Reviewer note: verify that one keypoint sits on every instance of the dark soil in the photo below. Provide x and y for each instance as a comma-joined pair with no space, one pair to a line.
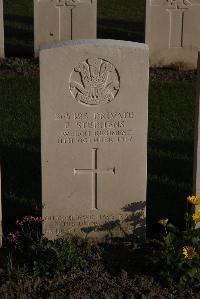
172,74
90,284
113,271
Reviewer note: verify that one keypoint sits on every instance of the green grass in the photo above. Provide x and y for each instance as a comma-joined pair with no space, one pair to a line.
116,20
170,155
20,146
18,18
171,114
130,10
121,19
170,150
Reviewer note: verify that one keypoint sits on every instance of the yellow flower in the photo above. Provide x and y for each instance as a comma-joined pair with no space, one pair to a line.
194,200
196,217
163,221
189,252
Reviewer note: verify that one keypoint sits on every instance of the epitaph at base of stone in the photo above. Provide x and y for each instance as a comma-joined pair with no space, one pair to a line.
94,109
173,32
60,20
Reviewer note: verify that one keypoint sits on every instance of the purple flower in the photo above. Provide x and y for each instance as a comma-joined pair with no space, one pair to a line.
38,219
28,219
13,237
19,223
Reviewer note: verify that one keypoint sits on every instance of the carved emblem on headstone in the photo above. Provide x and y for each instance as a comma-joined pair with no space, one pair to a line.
67,2
94,82
178,4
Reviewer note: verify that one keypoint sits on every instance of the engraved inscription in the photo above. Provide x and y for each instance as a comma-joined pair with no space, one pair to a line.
60,225
97,127
94,82
94,171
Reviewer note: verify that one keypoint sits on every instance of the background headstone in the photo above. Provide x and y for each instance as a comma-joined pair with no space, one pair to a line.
94,107
173,31
2,54
59,20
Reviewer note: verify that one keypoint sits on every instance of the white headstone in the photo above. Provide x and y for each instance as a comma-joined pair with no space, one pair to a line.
2,54
94,108
59,20
173,31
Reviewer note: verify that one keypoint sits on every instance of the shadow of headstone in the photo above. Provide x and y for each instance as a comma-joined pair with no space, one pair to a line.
132,226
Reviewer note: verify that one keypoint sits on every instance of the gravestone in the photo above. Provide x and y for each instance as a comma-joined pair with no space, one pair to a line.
196,174
59,20
94,106
2,55
173,31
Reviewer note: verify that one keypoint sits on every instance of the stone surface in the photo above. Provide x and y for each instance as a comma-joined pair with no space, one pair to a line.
173,31
94,107
2,55
59,20
196,174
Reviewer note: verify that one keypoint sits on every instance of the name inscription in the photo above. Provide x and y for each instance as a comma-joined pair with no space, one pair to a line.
98,127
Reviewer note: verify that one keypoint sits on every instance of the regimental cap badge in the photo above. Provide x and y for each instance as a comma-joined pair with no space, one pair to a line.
94,82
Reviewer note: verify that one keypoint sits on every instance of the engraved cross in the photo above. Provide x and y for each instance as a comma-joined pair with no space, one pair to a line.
61,5
94,171
176,10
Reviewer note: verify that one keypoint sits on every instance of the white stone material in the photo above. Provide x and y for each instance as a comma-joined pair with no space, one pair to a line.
59,20
173,32
94,110
2,53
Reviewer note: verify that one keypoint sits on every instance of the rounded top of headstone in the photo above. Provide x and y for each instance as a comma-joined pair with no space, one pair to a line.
95,42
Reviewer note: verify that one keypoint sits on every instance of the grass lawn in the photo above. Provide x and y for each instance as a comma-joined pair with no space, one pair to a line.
34,267
116,20
170,150
171,114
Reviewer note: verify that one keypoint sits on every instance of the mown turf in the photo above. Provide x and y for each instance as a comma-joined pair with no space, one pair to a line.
18,19
121,19
116,20
170,149
20,147
171,114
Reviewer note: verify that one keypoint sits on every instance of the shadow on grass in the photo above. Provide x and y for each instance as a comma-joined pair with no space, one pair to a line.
26,20
169,183
170,175
19,36
117,250
122,30
21,182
